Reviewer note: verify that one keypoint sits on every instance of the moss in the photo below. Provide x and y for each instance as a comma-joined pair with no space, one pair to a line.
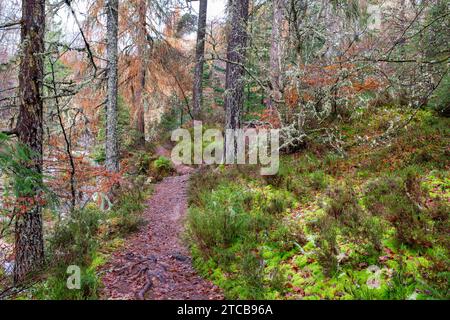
299,218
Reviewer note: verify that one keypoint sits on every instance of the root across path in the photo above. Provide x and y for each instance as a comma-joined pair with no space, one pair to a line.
155,264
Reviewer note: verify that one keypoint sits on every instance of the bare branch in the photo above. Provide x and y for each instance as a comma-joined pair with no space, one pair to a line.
10,24
86,43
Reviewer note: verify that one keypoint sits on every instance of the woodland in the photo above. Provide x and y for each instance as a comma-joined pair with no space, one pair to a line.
92,206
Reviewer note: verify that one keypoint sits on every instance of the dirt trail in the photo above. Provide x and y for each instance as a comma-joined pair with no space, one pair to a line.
155,264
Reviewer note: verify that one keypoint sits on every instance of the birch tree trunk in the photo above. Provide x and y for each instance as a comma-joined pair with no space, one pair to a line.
112,150
234,82
199,59
143,58
29,243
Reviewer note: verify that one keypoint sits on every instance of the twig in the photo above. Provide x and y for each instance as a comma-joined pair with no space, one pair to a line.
10,24
86,43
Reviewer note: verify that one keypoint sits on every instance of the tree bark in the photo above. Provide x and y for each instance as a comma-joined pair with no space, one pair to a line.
112,149
234,81
199,60
29,243
275,53
143,59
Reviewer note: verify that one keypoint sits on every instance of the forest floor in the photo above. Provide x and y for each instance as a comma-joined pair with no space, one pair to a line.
368,223
155,263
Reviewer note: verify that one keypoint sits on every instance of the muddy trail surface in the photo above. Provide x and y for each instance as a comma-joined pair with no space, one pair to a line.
155,263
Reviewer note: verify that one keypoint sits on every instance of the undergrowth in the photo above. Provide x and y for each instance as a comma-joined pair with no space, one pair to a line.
372,224
84,240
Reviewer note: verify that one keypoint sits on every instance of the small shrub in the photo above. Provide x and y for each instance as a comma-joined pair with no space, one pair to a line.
317,180
343,206
440,101
409,223
284,176
327,243
162,163
142,162
252,275
299,176
163,167
276,202
222,220
126,213
297,187
436,277
278,280
204,179
377,191
73,242
345,217
229,224
397,199
288,235
74,239
55,287
439,213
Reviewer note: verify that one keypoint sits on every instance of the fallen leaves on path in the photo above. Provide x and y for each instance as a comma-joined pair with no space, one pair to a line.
155,264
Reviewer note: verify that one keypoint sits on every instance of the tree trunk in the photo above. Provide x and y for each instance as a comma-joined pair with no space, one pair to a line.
234,82
143,58
29,243
275,53
112,149
199,59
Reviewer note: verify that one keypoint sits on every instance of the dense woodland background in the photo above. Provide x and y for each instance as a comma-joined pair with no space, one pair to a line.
91,90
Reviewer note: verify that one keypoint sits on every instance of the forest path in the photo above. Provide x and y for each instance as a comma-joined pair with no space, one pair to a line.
155,264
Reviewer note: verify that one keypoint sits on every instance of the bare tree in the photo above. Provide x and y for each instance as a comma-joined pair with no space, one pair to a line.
29,242
112,148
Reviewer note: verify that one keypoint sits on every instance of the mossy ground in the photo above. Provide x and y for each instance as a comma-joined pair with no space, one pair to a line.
268,237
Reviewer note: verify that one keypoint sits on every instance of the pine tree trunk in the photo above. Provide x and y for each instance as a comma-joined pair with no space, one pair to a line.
29,243
275,52
234,82
143,58
112,149
199,59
